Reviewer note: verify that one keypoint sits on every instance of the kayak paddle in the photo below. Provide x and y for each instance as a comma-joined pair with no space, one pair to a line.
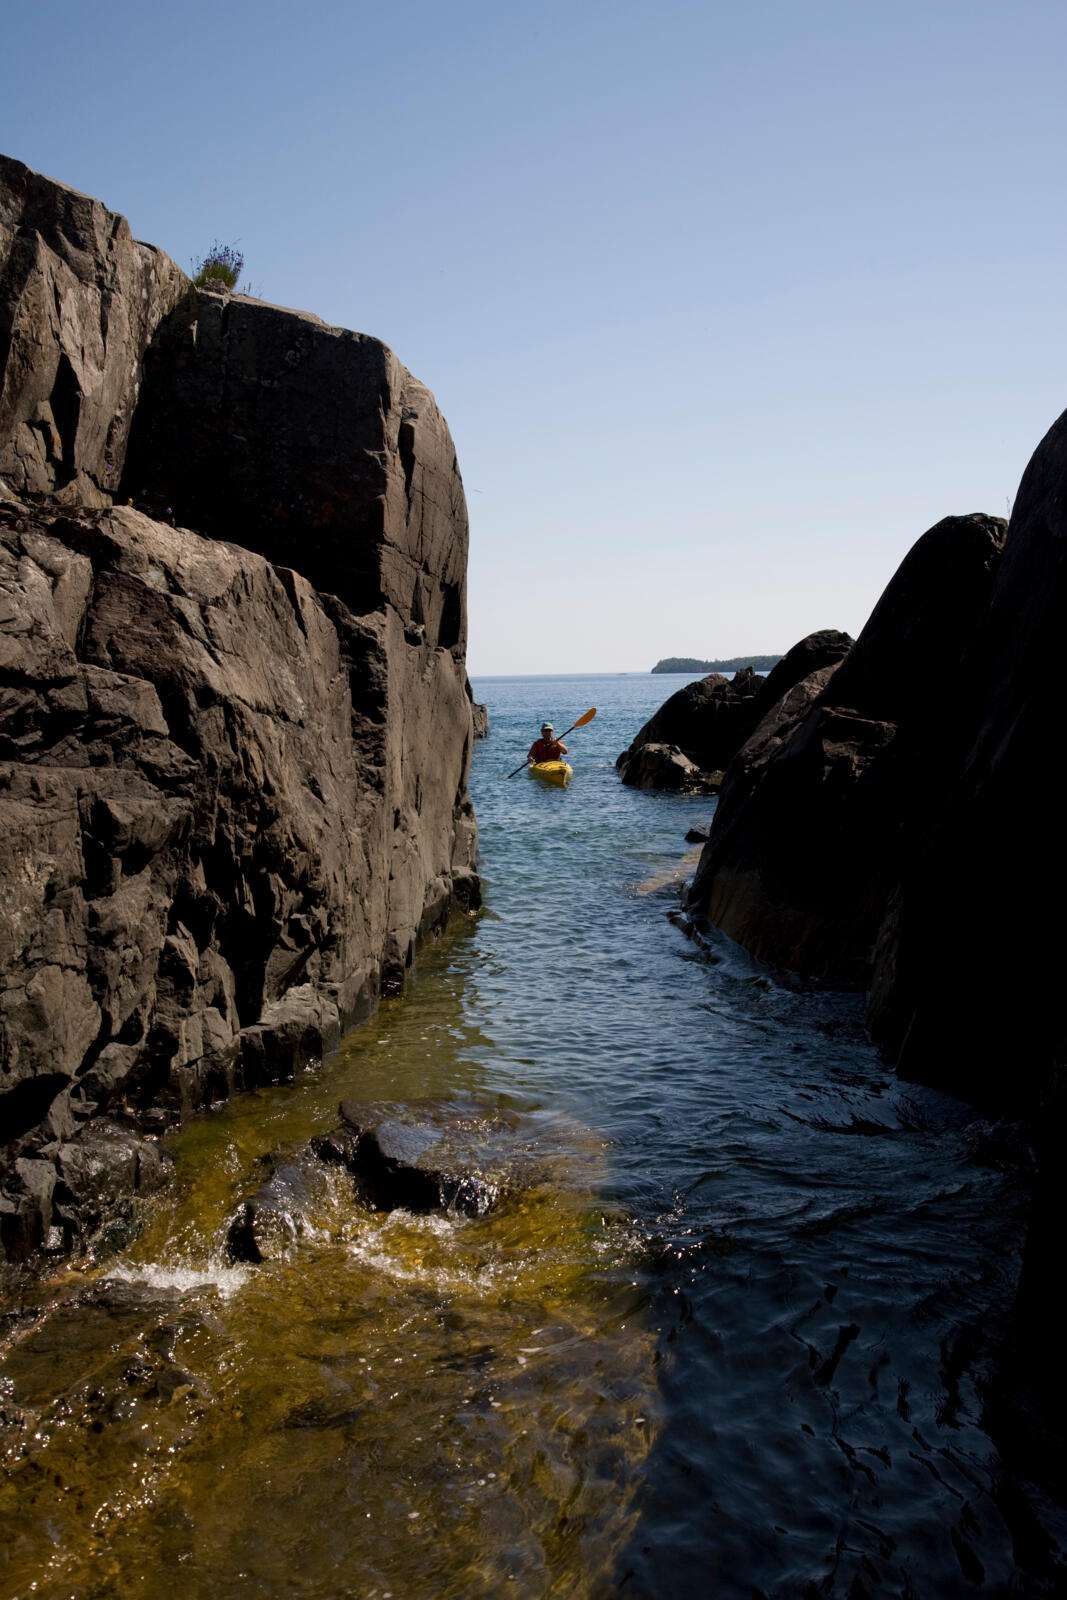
586,716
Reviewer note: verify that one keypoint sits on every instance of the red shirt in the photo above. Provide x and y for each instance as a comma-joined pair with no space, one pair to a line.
546,750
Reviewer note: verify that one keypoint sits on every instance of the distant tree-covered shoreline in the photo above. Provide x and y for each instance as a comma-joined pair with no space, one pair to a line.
731,664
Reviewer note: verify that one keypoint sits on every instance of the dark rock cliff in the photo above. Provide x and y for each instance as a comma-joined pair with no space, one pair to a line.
807,840
967,982
232,768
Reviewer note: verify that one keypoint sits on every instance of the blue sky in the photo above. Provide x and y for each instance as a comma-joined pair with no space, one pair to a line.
724,304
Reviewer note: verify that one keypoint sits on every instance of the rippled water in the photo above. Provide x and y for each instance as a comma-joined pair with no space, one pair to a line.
735,1339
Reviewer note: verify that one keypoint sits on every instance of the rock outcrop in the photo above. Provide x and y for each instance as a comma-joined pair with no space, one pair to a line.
691,739
664,766
806,842
80,300
313,446
967,981
231,803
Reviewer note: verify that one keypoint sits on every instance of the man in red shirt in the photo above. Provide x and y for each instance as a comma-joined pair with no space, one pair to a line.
548,747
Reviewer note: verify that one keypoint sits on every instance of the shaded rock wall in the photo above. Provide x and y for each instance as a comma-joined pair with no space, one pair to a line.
808,837
312,445
967,980
231,802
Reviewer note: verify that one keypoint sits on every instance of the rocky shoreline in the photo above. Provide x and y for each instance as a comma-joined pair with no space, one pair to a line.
889,824
235,725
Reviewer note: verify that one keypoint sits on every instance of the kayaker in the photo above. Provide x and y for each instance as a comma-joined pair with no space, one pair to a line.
548,747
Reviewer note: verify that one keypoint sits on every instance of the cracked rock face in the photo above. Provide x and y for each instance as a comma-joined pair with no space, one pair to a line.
80,300
231,802
312,445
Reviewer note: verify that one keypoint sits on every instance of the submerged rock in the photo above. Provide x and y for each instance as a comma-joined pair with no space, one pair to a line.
269,1223
423,1159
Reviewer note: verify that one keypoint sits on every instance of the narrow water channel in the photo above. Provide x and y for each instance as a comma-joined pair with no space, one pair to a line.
734,1337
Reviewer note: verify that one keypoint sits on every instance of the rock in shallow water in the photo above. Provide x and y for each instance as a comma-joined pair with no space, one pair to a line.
416,1165
664,766
266,1226
422,1160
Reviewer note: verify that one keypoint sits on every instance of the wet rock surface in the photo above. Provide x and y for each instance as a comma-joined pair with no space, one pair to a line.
695,734
421,1158
267,1225
418,1163
231,804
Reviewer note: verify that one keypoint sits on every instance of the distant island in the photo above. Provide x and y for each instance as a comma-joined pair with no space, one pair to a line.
733,664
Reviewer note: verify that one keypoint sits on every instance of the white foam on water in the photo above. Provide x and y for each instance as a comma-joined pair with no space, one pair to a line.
370,1248
225,1280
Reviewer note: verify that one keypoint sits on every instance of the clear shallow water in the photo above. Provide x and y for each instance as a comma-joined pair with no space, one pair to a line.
735,1340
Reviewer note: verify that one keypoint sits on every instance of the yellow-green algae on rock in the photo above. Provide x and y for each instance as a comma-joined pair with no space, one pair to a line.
406,1405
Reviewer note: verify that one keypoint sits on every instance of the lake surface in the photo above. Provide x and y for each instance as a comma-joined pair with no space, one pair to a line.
734,1339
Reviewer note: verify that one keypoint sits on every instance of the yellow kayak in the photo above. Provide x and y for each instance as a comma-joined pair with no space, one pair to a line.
557,772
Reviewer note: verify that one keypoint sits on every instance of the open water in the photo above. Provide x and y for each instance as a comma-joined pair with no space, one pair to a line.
737,1339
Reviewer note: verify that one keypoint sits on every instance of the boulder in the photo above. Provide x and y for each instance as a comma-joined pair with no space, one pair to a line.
480,714
664,766
824,648
231,803
806,840
414,1161
707,722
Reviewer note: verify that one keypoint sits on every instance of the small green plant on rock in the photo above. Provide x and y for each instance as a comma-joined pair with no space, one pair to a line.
220,269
